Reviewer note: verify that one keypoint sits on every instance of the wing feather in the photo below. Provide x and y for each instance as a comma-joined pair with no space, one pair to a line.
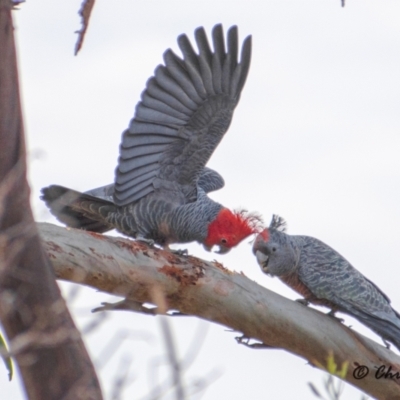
184,111
158,105
145,138
133,194
193,88
139,179
146,114
165,80
192,64
131,164
210,180
205,60
143,150
230,59
242,69
138,127
159,93
135,190
135,173
218,41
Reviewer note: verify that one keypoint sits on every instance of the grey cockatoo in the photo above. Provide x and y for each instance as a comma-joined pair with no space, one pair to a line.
323,277
161,182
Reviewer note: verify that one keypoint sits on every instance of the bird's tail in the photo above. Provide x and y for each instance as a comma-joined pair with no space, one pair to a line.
389,330
78,210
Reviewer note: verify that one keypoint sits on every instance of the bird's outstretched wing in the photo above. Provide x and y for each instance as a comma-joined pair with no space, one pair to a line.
184,111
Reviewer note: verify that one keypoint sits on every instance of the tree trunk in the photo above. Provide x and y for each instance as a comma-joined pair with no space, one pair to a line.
45,344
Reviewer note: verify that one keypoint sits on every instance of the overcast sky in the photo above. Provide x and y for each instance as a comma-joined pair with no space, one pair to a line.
315,139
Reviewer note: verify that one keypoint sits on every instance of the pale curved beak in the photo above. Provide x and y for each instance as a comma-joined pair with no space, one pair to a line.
223,249
262,260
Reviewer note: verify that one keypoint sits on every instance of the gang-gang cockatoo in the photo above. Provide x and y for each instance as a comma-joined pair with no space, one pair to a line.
161,181
323,277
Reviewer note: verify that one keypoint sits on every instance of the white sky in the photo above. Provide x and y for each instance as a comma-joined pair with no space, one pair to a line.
315,138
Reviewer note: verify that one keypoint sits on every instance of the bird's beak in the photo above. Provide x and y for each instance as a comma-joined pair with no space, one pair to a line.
262,260
223,249
207,248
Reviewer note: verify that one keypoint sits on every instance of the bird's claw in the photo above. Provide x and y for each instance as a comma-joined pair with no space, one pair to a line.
304,302
127,305
136,306
142,239
177,314
245,341
180,252
332,315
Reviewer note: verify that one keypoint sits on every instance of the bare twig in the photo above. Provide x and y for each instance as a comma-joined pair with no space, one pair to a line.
121,381
175,365
84,12
116,341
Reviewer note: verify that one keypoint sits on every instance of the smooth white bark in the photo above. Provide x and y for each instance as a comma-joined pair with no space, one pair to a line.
209,291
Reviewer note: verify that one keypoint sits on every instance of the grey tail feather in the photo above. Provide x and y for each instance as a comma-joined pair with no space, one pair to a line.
389,331
64,205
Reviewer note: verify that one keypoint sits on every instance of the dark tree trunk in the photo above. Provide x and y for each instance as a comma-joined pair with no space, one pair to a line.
47,347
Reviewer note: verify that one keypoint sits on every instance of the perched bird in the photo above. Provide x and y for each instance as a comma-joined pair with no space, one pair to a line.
161,181
323,277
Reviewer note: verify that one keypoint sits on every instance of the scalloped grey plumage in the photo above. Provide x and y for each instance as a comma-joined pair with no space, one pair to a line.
324,277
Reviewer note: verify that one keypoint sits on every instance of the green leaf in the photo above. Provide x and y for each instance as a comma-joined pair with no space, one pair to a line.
6,359
331,365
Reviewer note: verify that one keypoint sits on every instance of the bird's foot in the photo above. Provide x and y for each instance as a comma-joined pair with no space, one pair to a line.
178,252
127,305
332,315
135,306
245,341
177,314
304,302
142,239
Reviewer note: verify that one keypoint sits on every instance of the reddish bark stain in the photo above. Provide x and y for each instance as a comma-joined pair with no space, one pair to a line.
222,268
104,256
172,258
133,246
54,247
96,235
223,288
185,278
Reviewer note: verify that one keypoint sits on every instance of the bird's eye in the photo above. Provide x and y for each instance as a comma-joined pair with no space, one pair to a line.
224,241
274,249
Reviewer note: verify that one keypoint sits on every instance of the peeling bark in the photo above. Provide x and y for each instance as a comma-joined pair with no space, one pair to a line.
210,291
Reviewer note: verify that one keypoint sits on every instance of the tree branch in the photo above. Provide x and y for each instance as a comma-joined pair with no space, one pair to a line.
209,291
